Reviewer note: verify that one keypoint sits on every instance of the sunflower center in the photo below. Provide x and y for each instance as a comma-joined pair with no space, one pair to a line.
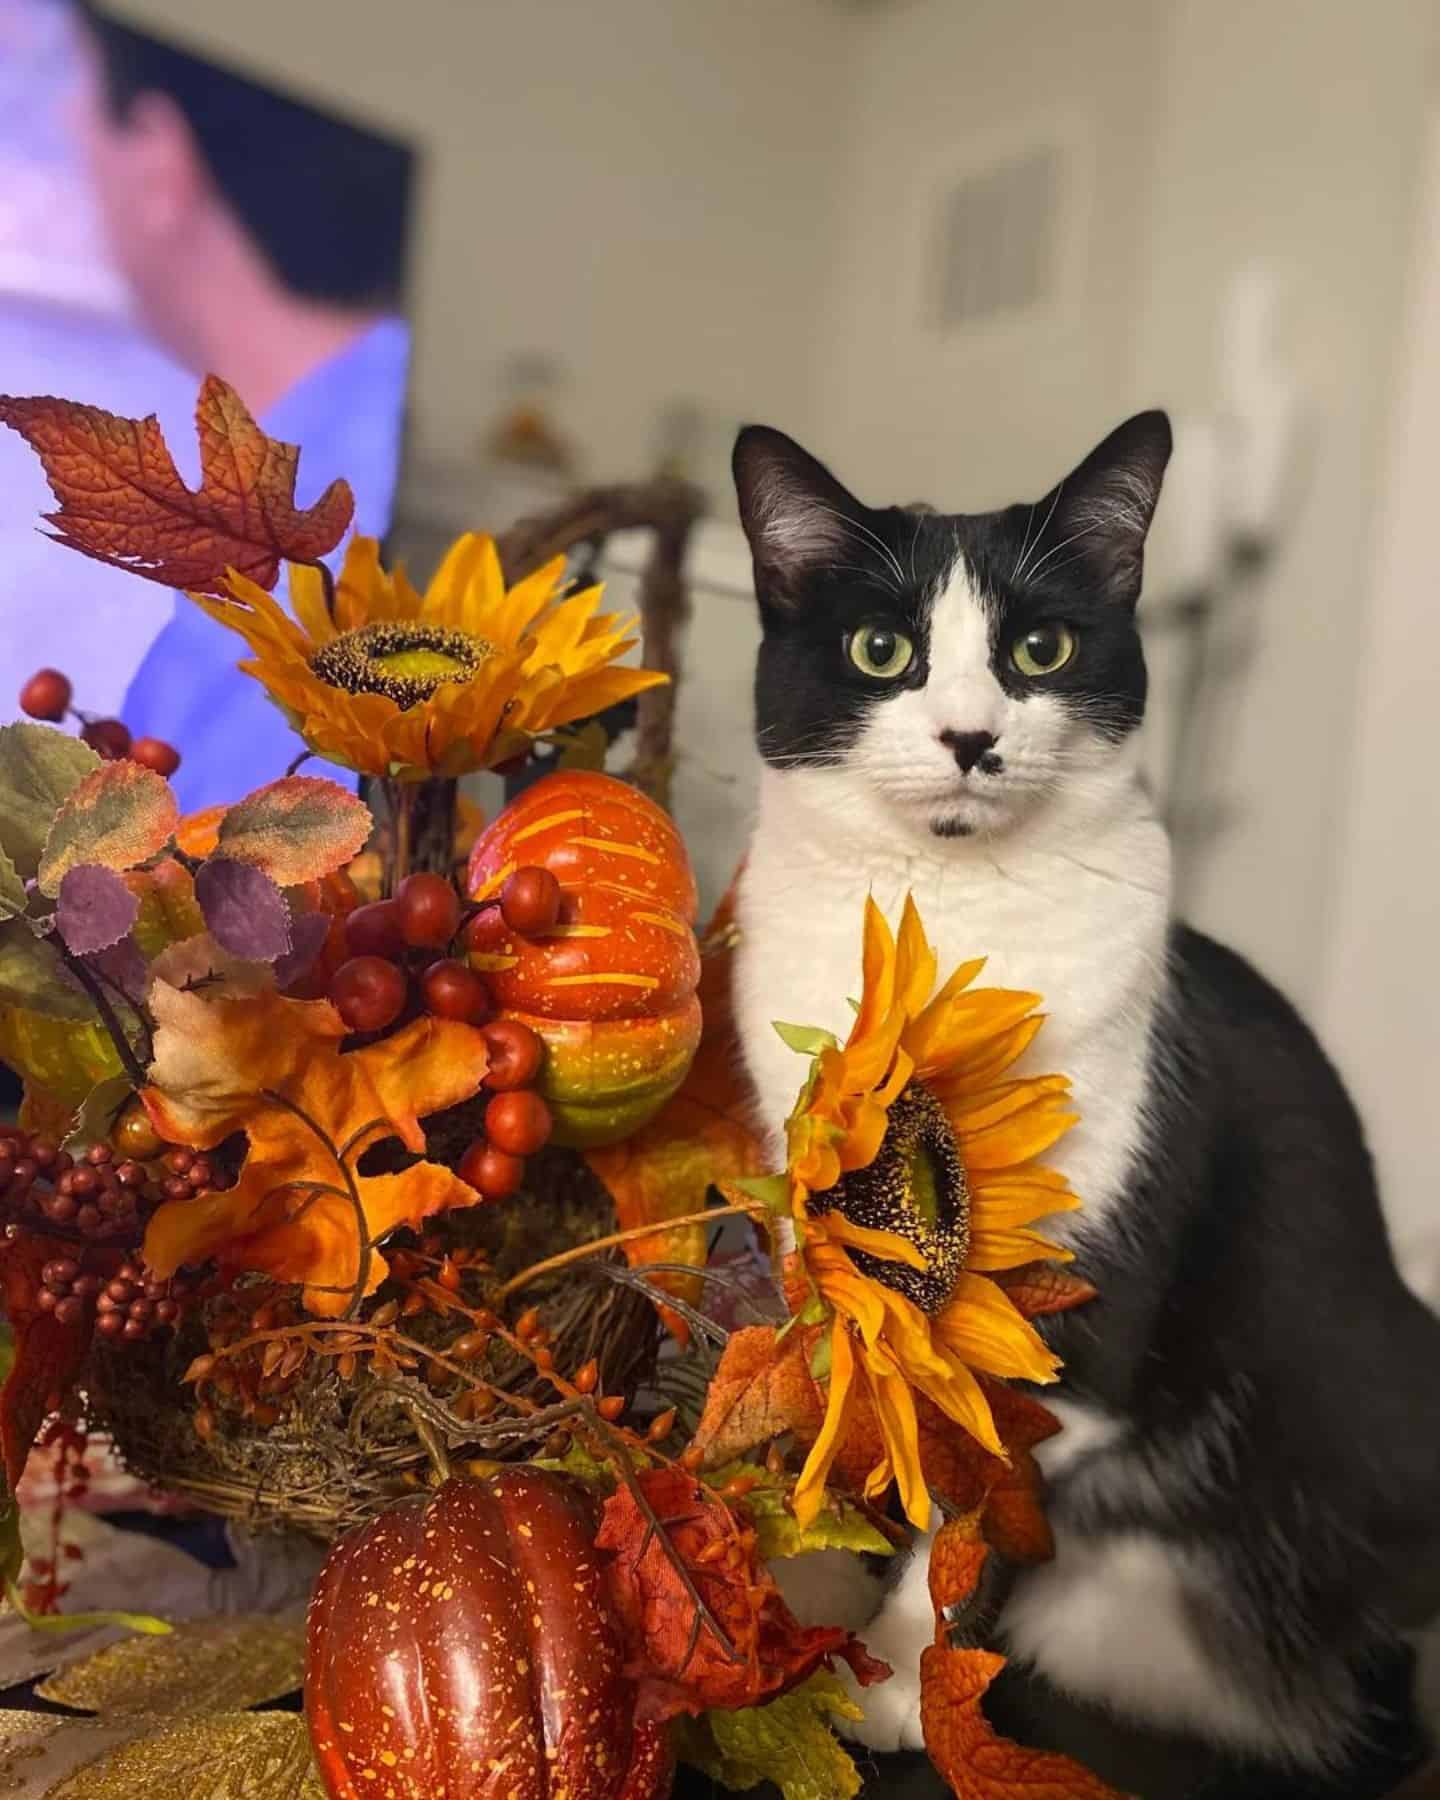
402,658
915,1188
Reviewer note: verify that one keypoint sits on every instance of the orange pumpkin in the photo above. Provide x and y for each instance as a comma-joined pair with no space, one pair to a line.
611,988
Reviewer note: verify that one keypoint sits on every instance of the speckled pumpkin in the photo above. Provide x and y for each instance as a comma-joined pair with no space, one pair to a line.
611,988
461,1645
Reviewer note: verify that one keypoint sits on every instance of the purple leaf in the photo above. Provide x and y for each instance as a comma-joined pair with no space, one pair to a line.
94,910
244,910
309,933
123,966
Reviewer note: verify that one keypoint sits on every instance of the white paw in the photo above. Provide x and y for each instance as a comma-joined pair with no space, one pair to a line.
898,1635
892,1712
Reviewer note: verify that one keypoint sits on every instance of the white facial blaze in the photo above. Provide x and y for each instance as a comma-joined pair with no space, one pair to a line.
962,693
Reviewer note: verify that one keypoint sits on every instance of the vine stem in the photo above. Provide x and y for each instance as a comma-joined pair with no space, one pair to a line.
578,1252
124,1049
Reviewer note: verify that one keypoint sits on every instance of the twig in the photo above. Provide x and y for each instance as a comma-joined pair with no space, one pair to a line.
366,1243
578,1252
123,1047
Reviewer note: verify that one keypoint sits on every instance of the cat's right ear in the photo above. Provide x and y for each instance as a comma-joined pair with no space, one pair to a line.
797,516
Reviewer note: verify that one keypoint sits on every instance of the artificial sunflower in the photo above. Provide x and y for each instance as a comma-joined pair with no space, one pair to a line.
914,1176
407,685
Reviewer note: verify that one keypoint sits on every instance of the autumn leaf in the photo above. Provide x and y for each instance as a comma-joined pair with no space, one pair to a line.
39,768
122,500
789,1742
976,1763
296,829
1015,1521
169,911
47,1355
121,814
702,1137
199,832
1041,1288
761,1389
839,1525
957,1557
272,1067
679,1660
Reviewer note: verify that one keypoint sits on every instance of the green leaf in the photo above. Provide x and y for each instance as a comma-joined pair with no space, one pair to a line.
772,1191
296,829
85,1621
31,975
839,1525
39,769
789,1741
121,814
820,1359
96,1117
12,888
809,1040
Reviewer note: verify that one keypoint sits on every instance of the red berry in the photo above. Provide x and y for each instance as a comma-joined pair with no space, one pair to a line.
487,929
530,901
108,737
491,1172
519,1122
374,930
156,754
368,993
88,1218
452,990
110,1324
46,695
516,1053
46,1300
429,910
70,1311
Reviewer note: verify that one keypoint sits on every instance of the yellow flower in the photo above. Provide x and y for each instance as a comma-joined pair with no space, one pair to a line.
914,1176
409,685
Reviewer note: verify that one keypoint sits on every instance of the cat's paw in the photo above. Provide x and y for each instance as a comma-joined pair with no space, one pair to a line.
892,1714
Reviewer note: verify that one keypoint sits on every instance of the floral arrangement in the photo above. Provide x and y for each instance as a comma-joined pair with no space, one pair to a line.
371,1190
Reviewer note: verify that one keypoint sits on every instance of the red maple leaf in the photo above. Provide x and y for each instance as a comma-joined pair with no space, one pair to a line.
122,500
679,1658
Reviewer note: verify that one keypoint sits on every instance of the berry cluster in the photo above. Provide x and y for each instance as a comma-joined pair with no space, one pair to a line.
48,694
390,944
100,1204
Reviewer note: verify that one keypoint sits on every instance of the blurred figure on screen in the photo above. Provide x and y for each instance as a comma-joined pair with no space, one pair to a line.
263,241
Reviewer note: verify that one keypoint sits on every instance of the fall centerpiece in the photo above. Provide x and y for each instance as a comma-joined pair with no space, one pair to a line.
369,1187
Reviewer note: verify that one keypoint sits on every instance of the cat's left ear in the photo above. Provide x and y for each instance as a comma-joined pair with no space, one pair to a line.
1100,514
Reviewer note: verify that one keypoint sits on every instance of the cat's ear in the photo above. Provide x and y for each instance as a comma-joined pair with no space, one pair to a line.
1100,514
797,516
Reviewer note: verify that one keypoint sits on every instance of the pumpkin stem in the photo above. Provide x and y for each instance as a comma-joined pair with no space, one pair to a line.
434,1448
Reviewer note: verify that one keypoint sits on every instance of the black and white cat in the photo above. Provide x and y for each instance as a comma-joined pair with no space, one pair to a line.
1246,1494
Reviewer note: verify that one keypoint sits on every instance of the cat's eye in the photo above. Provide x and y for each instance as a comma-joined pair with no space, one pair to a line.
1043,650
880,652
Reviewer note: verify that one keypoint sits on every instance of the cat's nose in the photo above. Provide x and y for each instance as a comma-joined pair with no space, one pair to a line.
972,747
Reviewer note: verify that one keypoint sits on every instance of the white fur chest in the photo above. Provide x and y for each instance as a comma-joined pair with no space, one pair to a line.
1073,906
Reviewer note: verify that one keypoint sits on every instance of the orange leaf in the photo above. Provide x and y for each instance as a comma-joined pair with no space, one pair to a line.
122,500
1015,1522
199,832
957,1556
169,911
1041,1288
681,1662
760,1390
702,1136
301,1211
48,1355
976,1763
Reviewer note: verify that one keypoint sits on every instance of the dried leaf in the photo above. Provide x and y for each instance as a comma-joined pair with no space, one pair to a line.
704,1135
308,935
1040,1288
96,1118
32,976
199,832
168,909
762,1388
681,1662
39,768
95,909
297,829
1015,1521
976,1763
195,1671
788,1742
122,500
957,1557
121,814
233,1756
12,888
244,910
271,1067
121,966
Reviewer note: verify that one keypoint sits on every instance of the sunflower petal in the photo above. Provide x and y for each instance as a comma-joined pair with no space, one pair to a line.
983,1328
810,1487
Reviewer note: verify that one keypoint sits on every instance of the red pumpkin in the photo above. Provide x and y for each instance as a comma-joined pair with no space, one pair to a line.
461,1644
611,987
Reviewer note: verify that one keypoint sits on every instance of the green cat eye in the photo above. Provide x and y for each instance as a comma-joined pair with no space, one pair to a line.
880,651
1043,650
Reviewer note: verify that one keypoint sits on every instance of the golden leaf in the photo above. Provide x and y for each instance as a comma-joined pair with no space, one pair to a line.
196,1671
272,1068
233,1756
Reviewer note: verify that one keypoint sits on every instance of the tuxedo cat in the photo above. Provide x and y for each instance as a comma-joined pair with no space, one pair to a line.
1246,1494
